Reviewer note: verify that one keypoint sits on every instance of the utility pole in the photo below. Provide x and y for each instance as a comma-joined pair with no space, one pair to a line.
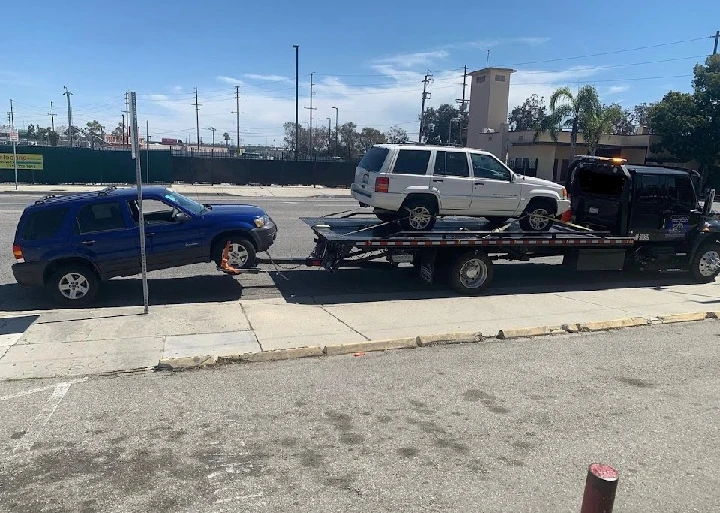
133,122
52,116
297,99
337,117
237,114
717,39
123,130
463,103
68,93
425,95
197,119
311,109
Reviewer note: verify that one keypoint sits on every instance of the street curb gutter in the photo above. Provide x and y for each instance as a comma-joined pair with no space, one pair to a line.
197,362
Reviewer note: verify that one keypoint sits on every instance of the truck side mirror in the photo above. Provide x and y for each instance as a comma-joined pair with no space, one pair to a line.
709,199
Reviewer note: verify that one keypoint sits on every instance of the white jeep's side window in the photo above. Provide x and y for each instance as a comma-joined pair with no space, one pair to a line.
485,166
412,162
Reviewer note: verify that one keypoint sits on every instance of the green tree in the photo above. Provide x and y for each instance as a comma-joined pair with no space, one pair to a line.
568,110
396,135
118,131
437,129
624,124
53,137
688,124
349,139
368,137
641,114
595,124
41,134
30,133
226,136
95,132
528,116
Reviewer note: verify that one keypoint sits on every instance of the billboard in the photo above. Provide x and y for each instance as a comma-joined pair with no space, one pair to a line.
24,161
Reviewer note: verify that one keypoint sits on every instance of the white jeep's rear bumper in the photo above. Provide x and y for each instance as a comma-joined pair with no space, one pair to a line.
563,206
382,200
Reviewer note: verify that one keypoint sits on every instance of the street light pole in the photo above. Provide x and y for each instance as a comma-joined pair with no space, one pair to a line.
337,117
297,99
213,130
329,134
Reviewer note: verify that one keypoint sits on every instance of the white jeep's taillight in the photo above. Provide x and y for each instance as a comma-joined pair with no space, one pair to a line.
17,253
382,184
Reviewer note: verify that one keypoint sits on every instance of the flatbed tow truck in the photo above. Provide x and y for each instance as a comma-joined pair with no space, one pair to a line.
656,228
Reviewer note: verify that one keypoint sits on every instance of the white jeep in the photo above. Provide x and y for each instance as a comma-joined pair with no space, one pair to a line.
413,184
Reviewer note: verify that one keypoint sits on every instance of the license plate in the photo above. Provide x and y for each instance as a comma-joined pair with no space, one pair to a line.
594,210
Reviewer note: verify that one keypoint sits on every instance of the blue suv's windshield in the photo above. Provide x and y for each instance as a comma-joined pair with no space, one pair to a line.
185,203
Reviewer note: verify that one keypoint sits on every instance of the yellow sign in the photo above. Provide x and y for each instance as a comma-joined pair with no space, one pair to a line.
24,161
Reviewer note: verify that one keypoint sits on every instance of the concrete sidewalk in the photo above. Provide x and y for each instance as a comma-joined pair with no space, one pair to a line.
246,191
38,344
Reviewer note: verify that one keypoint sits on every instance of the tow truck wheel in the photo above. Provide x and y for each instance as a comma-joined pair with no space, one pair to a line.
471,272
705,264
537,216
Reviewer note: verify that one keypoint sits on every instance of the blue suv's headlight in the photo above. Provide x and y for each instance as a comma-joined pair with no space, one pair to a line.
263,221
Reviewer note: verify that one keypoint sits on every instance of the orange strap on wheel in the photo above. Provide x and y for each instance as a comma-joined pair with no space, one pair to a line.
224,266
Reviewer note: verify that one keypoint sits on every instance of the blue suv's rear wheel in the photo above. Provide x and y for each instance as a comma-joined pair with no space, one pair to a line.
73,285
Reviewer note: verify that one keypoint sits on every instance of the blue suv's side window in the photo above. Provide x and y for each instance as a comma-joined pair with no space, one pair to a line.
99,217
43,224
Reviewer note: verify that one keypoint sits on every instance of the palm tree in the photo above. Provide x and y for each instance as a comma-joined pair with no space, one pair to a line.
570,110
226,136
596,124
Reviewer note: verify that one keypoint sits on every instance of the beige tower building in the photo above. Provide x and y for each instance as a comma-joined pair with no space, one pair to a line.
487,124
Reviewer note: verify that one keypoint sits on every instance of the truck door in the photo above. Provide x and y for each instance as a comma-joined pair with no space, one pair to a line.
681,201
649,203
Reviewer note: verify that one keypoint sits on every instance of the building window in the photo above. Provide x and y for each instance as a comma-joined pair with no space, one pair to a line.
480,79
499,78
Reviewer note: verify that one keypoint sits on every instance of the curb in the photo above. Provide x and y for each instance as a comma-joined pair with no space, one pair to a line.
450,338
198,362
371,345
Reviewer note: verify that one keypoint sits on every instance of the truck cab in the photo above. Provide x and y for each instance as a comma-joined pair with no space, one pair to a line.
658,206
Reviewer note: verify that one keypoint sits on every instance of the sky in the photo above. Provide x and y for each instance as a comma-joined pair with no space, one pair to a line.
369,58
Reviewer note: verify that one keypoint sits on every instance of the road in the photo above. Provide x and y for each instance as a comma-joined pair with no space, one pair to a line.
489,427
202,283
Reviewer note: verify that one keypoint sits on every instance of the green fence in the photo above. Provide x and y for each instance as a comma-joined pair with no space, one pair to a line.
83,165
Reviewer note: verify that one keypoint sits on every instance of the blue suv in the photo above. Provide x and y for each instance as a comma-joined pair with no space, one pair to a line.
70,244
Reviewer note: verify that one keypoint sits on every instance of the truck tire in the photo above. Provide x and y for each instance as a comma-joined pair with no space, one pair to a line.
705,263
471,273
242,252
73,285
535,217
418,214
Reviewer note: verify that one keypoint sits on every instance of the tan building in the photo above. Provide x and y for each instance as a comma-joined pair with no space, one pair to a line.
542,156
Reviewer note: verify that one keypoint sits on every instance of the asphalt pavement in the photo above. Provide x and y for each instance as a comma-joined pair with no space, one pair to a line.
497,427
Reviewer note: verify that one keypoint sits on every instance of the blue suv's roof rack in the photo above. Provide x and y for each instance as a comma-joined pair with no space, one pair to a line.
107,190
45,198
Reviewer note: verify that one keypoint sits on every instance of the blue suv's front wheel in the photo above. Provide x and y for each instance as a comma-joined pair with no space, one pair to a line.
73,285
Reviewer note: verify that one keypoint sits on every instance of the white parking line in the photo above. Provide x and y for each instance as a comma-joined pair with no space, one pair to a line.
40,389
41,419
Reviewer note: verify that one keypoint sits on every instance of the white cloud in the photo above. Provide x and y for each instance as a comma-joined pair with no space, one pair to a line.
267,78
381,102
229,80
177,89
491,43
408,60
616,89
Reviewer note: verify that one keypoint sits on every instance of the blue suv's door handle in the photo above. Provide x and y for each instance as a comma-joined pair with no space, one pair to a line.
88,242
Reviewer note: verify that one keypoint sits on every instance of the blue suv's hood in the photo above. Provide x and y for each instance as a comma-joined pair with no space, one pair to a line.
235,210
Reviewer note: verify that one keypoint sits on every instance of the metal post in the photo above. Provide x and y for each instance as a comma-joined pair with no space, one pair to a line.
237,119
15,162
138,180
600,486
147,151
14,143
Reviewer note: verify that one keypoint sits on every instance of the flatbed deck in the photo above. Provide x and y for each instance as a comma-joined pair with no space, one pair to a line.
371,233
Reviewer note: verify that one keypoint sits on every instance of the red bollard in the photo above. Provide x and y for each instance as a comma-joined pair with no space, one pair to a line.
600,487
